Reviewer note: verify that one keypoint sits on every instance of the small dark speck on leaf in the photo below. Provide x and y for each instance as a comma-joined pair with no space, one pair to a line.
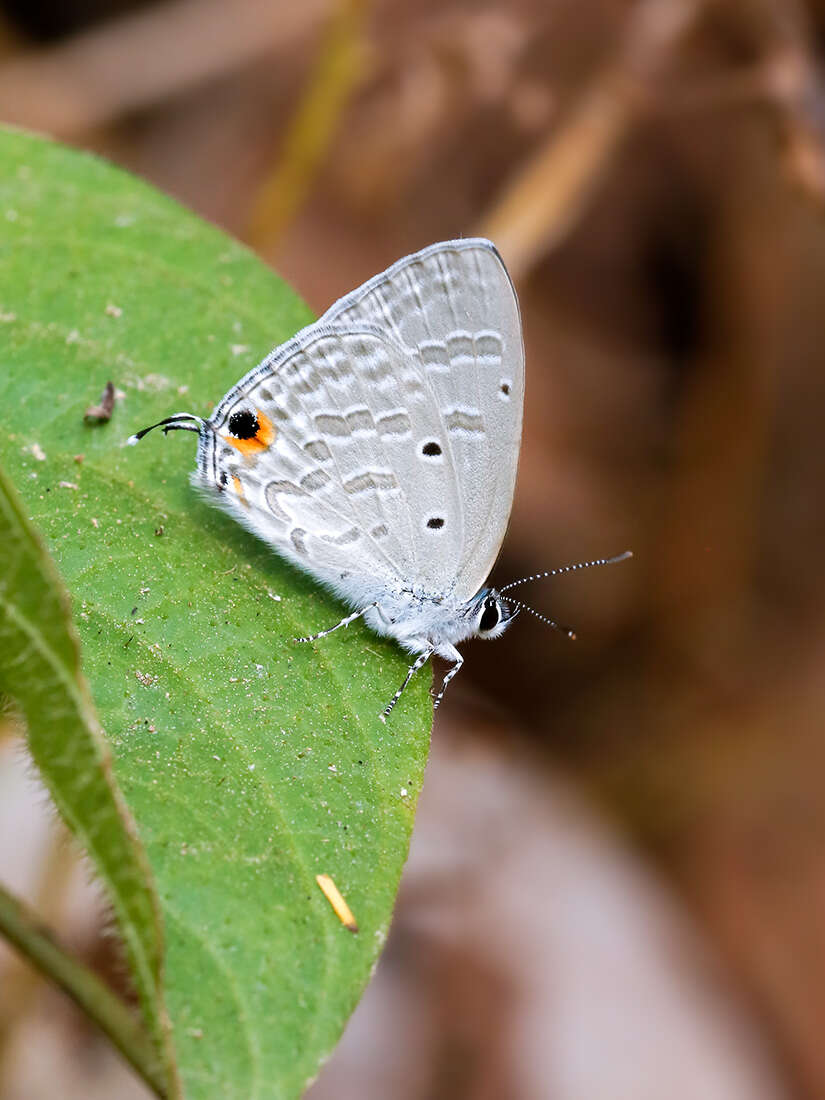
102,413
134,611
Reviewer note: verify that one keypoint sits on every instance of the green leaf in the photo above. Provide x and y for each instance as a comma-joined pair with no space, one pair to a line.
251,764
40,669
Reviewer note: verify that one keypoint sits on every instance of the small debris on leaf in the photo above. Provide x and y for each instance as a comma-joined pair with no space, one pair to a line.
340,907
102,413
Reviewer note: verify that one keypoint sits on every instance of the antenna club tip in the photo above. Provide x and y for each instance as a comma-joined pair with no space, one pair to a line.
133,440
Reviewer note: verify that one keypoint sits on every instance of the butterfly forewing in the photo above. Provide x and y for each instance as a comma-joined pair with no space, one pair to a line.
453,307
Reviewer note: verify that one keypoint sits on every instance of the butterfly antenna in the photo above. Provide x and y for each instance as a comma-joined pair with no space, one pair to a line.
178,422
565,569
562,629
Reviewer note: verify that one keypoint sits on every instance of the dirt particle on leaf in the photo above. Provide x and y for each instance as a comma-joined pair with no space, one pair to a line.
102,412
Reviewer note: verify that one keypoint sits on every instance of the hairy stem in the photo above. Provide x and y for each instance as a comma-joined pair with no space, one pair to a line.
23,929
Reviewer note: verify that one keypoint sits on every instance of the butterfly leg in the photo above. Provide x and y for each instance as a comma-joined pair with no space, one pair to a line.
450,653
344,622
421,659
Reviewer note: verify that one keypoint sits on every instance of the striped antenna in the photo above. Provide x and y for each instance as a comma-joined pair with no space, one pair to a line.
562,629
178,422
566,569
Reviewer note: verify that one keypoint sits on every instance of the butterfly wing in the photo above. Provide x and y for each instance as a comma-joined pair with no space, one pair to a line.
374,448
453,308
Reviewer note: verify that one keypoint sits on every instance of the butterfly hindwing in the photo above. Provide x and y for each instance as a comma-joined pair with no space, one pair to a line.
330,488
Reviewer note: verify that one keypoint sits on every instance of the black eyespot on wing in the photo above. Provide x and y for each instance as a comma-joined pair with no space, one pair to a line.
431,449
435,522
490,615
223,479
505,388
244,424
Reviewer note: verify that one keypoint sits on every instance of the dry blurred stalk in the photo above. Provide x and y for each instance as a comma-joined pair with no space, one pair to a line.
339,70
795,81
544,200
138,60
788,78
421,98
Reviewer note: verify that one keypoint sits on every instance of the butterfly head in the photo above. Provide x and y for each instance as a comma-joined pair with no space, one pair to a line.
492,614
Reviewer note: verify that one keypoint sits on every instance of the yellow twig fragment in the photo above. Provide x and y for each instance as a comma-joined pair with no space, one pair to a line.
333,896
340,67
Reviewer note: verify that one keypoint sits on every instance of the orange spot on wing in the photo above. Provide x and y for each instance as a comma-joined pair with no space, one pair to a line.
259,441
238,487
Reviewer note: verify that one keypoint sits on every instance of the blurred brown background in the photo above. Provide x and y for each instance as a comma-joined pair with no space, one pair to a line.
617,886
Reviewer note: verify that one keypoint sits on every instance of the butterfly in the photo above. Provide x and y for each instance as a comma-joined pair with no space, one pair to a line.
377,450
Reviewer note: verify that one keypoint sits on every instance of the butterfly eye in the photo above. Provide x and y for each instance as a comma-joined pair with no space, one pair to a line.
489,616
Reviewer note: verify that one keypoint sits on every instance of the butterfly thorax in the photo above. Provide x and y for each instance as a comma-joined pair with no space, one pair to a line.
417,619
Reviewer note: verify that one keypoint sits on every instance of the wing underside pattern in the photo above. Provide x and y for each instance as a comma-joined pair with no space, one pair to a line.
394,428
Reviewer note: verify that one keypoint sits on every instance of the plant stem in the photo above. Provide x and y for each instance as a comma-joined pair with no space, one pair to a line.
22,928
